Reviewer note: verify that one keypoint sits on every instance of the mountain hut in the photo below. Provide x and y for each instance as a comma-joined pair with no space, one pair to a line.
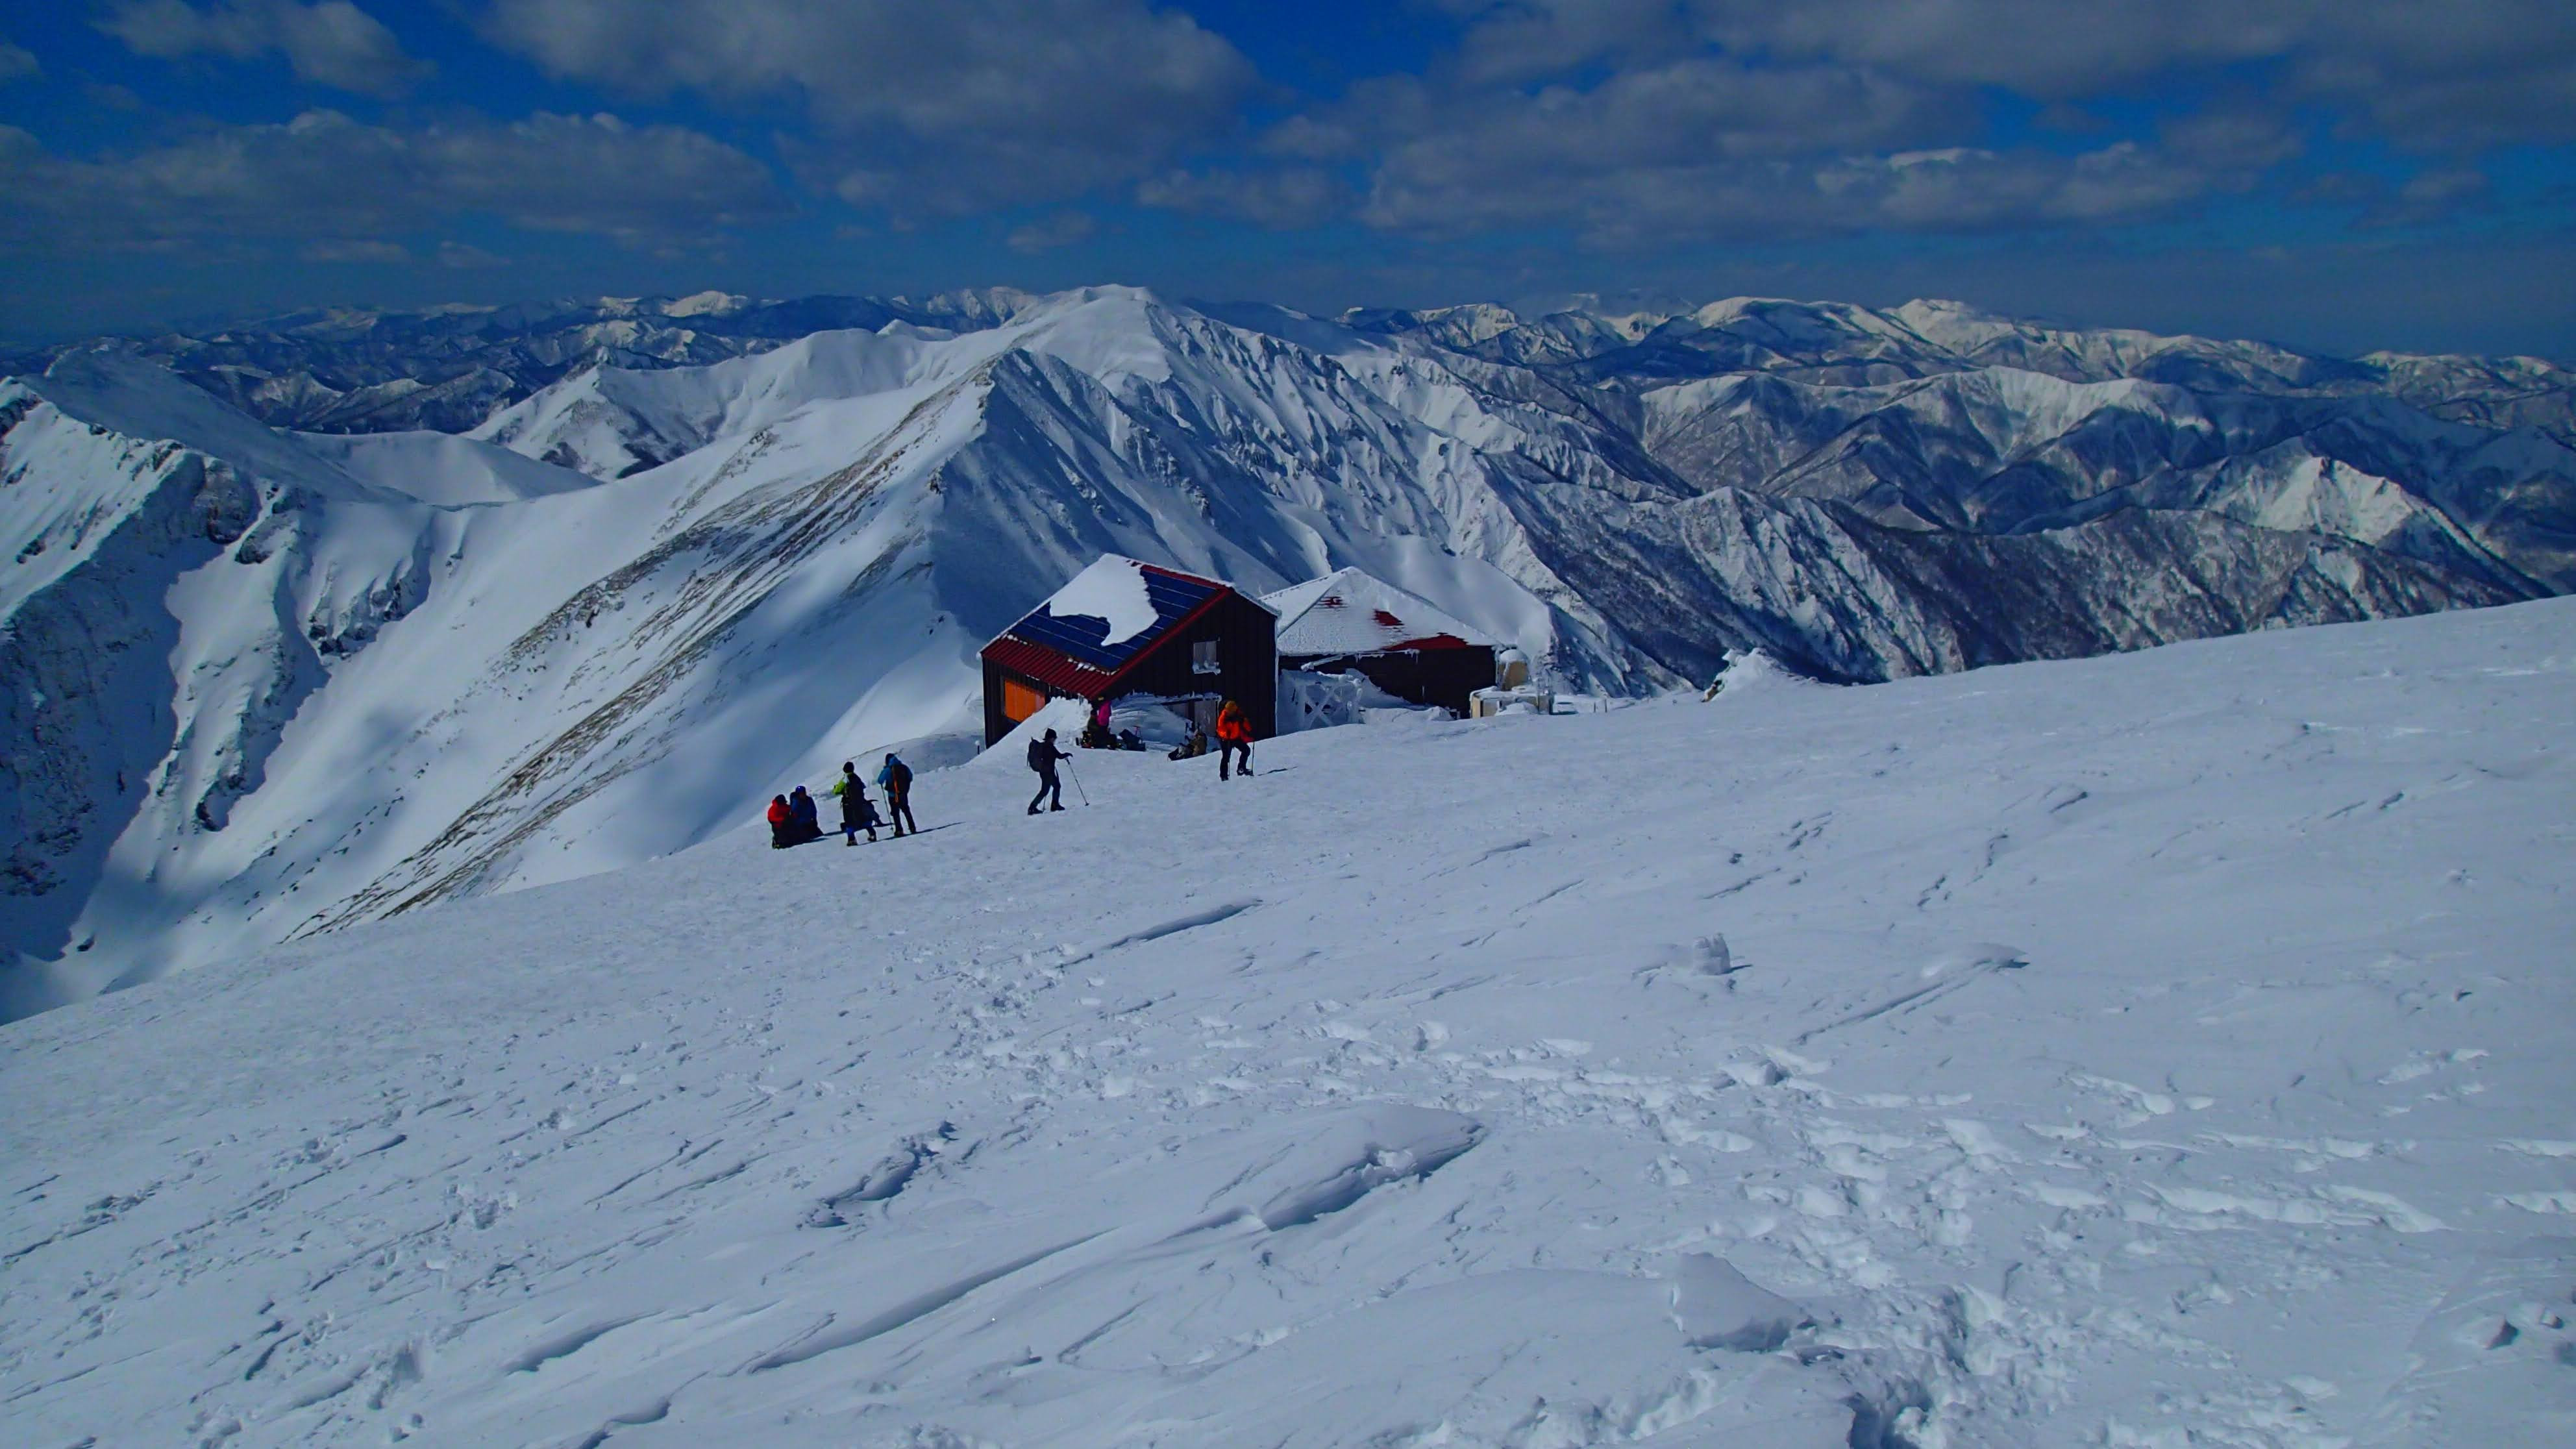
1350,621
1121,629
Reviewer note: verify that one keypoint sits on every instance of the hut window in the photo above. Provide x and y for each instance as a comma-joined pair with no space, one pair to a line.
1203,658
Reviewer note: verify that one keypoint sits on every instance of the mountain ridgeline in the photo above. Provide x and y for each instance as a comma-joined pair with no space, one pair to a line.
318,621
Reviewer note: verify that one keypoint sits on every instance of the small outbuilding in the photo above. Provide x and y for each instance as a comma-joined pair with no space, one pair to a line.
1352,622
1122,629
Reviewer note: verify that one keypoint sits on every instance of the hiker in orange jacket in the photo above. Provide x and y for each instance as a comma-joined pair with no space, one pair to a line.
1233,733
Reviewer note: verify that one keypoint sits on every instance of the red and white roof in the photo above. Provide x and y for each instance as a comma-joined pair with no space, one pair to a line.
1350,612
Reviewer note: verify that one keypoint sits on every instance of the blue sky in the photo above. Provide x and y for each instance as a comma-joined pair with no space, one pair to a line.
2336,175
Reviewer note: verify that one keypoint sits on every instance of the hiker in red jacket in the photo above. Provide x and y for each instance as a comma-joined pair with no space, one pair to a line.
780,819
1233,733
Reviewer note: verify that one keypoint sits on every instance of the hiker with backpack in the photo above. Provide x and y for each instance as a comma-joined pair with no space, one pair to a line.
1042,758
896,776
857,811
1233,735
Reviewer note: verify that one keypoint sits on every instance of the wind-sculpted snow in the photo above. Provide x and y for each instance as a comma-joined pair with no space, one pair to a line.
2157,1049
279,683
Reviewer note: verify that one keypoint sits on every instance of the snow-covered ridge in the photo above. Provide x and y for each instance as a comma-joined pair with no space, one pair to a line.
280,683
358,370
2161,1049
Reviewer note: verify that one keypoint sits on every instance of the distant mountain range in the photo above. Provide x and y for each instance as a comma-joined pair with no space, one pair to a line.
318,620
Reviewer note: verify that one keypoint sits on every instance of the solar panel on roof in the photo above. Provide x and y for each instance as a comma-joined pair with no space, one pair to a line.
1081,636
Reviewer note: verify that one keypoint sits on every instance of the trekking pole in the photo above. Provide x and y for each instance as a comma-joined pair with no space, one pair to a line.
1078,792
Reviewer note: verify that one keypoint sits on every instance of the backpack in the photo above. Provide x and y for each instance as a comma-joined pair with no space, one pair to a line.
1040,757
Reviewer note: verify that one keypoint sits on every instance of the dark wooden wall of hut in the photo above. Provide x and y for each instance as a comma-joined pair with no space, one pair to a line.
1246,636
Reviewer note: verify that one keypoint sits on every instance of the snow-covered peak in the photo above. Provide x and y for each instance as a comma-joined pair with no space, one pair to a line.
118,391
613,421
1114,334
705,304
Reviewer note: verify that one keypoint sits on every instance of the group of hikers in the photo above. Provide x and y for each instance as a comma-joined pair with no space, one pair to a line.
1234,743
794,816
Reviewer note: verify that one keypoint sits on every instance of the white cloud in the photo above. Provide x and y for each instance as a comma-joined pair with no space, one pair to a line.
325,175
1708,149
1631,180
459,257
342,249
1282,198
1060,230
328,42
15,63
950,107
1647,122
2464,72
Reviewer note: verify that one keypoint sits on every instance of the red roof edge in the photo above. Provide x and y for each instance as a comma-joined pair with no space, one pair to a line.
1177,574
1046,666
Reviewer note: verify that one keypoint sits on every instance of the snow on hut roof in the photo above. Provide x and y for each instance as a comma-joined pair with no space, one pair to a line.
1100,621
1350,612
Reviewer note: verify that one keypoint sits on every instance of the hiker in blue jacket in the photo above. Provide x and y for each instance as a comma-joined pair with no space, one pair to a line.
801,815
896,776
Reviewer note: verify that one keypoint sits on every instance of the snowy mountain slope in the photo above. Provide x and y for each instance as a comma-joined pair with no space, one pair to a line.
610,421
279,683
489,672
166,614
441,469
2004,451
1730,565
1837,344
2157,1049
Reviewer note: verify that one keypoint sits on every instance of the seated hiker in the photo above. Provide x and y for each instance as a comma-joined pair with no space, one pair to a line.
801,811
1128,739
857,811
781,820
1095,728
1192,747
